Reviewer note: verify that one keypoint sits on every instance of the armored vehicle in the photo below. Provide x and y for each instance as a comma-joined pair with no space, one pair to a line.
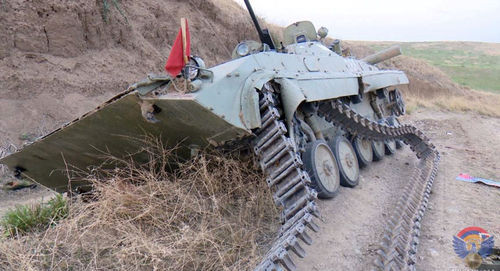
311,116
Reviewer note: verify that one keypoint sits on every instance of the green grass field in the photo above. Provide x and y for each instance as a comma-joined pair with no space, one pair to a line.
471,64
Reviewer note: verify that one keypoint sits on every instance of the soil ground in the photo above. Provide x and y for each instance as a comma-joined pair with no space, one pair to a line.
9,199
352,221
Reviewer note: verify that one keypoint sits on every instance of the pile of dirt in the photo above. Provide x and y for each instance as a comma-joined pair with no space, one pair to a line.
60,59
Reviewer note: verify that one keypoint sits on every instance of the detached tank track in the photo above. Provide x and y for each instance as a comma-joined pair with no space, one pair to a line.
290,185
400,237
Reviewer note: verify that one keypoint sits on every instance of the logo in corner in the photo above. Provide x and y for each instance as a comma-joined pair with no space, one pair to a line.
473,244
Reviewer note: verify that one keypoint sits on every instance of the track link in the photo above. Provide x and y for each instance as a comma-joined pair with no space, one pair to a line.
400,238
291,185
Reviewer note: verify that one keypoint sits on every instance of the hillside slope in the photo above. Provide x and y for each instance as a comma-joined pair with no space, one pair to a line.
429,85
473,65
59,59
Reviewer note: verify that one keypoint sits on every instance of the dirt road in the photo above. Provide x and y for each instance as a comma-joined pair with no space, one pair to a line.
354,220
469,143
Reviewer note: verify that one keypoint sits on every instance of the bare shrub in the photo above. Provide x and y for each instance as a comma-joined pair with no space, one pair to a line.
213,212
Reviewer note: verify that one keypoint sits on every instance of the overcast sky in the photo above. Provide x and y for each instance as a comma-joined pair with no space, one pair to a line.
394,20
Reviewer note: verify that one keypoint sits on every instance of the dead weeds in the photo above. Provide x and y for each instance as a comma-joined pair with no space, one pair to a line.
213,212
487,104
431,88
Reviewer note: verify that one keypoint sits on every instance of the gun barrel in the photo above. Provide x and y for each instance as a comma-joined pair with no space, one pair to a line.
264,35
383,55
254,19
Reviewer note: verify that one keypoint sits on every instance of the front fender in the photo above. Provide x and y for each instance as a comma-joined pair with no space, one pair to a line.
291,98
249,109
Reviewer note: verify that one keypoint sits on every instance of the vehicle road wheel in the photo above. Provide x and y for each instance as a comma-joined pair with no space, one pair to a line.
356,99
322,167
390,147
399,144
364,152
378,150
347,161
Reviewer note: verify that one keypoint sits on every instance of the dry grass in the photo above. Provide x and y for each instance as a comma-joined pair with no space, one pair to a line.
6,148
211,213
487,104
431,88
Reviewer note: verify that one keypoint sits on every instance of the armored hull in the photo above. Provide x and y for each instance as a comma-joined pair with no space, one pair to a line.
311,116
225,108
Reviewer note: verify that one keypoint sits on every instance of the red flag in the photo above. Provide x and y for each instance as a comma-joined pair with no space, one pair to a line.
179,55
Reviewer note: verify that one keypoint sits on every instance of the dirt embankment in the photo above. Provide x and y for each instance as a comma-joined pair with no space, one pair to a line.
430,87
425,80
61,59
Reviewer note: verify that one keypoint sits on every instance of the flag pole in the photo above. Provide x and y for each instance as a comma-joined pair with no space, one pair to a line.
184,41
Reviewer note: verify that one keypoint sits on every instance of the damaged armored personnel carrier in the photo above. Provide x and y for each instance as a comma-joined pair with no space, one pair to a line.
312,117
